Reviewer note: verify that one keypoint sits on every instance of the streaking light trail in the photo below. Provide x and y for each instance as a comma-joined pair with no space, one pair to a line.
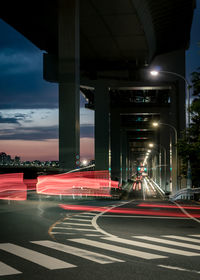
88,183
12,187
128,211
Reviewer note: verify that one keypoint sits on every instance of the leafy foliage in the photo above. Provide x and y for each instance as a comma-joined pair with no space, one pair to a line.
189,145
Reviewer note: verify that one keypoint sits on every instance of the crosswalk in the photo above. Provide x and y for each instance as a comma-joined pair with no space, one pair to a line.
102,250
76,224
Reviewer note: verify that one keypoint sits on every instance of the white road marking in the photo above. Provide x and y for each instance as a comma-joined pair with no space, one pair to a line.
151,246
118,249
188,239
178,268
98,235
71,228
89,214
85,254
79,220
145,217
7,270
195,235
170,242
35,257
77,224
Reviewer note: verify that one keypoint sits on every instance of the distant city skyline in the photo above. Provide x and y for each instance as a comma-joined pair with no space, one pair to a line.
29,105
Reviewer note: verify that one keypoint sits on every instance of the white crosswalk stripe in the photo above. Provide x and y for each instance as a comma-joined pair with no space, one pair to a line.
151,246
117,249
96,241
188,239
92,256
7,270
35,257
195,235
78,220
77,224
175,243
73,228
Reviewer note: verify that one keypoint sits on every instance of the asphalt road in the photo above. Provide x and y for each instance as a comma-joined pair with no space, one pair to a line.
99,239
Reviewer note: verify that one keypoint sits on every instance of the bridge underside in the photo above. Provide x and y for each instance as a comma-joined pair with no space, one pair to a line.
104,48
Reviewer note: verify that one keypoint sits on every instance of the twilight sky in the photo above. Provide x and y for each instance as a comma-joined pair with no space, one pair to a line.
28,104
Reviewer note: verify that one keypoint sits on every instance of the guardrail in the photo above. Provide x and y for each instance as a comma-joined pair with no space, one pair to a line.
187,194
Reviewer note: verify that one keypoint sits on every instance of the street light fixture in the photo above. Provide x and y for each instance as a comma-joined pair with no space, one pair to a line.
188,86
84,162
156,124
151,145
164,151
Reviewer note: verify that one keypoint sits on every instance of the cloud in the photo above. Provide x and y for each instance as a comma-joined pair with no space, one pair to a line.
8,120
30,133
14,62
87,131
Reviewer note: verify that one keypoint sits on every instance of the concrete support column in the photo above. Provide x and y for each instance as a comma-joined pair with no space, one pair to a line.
115,144
154,167
165,142
101,99
174,122
124,156
163,167
128,162
69,84
157,168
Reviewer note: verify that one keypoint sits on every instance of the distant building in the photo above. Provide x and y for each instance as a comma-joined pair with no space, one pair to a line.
5,159
17,160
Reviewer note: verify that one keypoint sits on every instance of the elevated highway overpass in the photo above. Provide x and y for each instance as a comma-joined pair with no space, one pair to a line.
106,48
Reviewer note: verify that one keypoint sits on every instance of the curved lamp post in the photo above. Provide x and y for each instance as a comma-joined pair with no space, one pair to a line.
151,145
156,124
156,73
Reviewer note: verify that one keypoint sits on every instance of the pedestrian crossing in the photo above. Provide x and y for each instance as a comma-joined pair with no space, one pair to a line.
81,223
102,250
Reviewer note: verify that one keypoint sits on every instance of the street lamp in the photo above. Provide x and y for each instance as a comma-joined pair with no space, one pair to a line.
85,162
156,124
151,145
164,152
156,73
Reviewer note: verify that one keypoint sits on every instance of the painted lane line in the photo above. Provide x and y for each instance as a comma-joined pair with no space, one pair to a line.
188,239
79,220
89,214
96,235
118,249
174,243
151,246
145,217
92,256
94,220
35,257
7,270
178,268
77,224
195,235
71,228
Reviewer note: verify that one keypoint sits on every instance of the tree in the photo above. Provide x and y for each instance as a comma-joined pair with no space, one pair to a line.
189,145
